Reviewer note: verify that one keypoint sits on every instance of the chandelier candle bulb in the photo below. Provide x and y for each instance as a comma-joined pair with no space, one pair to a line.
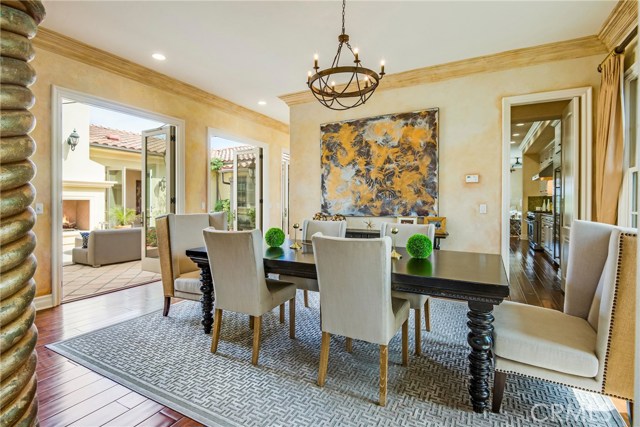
308,77
355,52
315,61
382,67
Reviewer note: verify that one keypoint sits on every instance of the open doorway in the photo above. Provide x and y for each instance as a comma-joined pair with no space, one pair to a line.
114,171
546,186
236,180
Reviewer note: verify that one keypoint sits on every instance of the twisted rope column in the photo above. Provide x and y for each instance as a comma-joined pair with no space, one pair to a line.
18,404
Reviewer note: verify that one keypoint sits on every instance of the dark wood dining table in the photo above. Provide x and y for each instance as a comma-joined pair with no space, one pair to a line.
480,279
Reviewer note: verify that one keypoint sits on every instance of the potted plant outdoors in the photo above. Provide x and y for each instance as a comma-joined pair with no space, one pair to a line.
122,217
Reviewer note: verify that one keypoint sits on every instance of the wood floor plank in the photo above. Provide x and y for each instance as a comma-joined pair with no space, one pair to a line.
102,415
157,420
186,422
136,415
48,408
86,407
132,399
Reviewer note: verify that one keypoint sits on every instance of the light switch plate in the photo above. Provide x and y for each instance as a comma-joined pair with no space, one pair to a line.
39,208
483,208
472,179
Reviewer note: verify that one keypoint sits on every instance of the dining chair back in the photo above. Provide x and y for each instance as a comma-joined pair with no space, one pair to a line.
327,228
419,303
407,230
354,278
175,234
239,283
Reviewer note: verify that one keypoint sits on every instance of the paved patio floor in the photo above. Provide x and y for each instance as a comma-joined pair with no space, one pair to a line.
82,280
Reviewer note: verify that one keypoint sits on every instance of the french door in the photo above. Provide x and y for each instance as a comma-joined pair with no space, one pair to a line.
158,188
246,189
570,192
284,176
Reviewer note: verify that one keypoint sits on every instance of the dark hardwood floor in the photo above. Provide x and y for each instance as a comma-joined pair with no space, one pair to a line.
534,279
70,394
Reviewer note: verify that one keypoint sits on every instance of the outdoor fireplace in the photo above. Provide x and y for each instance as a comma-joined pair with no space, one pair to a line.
75,215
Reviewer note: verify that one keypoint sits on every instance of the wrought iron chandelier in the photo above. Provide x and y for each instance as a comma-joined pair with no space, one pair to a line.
360,83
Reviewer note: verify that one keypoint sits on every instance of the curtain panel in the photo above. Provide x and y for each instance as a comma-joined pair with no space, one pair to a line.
609,148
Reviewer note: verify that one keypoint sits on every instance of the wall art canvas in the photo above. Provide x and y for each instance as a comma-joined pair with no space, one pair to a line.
381,166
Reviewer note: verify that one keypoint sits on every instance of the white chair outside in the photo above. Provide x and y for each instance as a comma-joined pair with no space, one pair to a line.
418,302
236,260
590,344
354,277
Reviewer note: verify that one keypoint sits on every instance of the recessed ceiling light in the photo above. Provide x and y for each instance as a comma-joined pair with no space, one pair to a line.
513,142
516,134
262,102
158,57
520,124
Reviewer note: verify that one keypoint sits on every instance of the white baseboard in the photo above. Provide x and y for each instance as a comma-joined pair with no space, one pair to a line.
45,301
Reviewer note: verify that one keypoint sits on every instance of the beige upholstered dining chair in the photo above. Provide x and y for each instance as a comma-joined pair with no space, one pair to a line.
590,345
354,277
236,260
309,228
176,234
417,302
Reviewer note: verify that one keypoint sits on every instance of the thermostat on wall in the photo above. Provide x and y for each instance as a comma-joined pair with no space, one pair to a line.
472,178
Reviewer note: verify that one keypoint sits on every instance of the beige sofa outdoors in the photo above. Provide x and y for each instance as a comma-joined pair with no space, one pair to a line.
109,247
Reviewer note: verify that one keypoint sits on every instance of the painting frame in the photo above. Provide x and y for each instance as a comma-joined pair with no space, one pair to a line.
381,166
407,220
439,221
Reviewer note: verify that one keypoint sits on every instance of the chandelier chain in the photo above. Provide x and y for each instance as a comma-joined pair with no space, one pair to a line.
344,5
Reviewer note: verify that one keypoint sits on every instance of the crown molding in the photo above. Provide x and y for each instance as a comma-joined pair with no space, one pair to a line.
557,51
73,49
622,19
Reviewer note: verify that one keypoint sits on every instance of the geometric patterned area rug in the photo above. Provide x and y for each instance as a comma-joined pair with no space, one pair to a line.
167,359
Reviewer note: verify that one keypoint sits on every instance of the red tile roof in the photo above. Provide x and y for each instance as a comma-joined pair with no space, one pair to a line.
122,140
226,155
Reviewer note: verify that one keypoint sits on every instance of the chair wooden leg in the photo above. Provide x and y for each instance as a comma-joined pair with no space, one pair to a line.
282,313
292,317
630,411
349,345
405,343
251,322
257,328
499,380
418,331
324,358
427,315
384,362
217,322
306,298
167,306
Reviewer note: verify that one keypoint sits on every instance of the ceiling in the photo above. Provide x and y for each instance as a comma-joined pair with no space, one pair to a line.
250,51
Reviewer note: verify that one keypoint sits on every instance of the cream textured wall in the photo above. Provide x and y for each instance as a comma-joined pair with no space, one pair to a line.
54,69
470,141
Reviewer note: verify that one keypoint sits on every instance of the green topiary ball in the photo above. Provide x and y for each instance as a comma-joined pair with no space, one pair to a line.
274,237
419,246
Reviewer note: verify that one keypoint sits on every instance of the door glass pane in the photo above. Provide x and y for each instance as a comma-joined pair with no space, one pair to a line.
113,194
156,188
246,194
633,121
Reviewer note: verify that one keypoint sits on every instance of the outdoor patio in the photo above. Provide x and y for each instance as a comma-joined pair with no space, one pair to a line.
80,281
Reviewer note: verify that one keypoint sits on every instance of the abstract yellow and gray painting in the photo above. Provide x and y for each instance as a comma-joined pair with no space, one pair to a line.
381,166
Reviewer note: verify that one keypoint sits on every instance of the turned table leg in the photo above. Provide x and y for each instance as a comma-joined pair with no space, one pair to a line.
207,297
480,339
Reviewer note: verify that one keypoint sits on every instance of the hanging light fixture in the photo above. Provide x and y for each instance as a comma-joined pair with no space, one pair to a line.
360,84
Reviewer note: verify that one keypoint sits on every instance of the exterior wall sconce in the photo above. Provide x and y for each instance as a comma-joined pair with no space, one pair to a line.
73,139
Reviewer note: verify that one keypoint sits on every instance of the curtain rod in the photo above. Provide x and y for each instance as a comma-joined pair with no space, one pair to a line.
621,47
